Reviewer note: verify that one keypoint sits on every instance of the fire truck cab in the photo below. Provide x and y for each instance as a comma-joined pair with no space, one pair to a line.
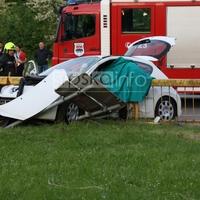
107,27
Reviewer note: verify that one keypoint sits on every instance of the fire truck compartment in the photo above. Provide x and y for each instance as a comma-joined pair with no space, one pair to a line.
183,23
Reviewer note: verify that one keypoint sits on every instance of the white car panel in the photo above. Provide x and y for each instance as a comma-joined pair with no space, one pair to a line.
36,99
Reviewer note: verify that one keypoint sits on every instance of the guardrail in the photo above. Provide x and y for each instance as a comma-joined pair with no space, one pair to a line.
177,82
4,80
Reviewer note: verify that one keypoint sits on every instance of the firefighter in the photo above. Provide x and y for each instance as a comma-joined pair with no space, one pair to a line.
7,60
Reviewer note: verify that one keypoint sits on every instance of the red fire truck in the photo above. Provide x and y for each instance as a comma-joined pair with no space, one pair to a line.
107,27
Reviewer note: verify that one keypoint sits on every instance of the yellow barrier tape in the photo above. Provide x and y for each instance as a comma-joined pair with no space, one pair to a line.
177,82
9,80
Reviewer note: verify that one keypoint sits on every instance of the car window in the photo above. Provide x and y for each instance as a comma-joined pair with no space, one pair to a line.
153,48
147,68
74,66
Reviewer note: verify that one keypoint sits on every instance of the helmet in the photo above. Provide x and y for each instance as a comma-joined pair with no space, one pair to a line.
9,46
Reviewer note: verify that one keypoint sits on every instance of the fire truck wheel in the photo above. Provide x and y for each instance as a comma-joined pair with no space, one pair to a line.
67,112
166,108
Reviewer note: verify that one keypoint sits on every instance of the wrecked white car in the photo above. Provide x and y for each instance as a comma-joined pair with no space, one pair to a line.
79,88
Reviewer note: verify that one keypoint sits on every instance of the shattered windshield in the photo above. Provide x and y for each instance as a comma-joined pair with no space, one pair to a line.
74,66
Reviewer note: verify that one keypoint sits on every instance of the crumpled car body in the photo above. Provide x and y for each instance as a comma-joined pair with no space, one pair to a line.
58,94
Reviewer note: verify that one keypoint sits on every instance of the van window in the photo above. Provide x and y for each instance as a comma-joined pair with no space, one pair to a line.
78,26
136,20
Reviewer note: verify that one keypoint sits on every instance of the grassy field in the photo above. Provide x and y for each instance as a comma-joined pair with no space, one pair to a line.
100,160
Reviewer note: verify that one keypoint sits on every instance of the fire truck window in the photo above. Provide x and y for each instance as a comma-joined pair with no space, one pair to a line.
136,20
78,26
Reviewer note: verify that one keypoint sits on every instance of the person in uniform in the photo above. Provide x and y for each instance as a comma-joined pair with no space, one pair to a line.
7,60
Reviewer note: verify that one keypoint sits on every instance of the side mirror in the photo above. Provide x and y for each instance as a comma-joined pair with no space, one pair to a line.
30,69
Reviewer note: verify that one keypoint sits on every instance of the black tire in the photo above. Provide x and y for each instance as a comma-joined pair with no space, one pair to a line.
67,112
123,113
166,108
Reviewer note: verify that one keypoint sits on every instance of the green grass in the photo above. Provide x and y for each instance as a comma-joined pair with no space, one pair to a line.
100,160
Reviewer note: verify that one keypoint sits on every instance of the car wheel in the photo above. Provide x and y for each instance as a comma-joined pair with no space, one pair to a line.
67,112
71,113
166,109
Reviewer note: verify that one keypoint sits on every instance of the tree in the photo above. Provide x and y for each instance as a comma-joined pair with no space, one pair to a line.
45,9
46,14
29,21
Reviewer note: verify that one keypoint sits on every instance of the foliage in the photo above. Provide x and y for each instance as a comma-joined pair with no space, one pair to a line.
45,8
100,160
28,22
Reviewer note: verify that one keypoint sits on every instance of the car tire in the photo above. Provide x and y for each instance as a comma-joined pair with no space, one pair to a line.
123,113
67,112
166,108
